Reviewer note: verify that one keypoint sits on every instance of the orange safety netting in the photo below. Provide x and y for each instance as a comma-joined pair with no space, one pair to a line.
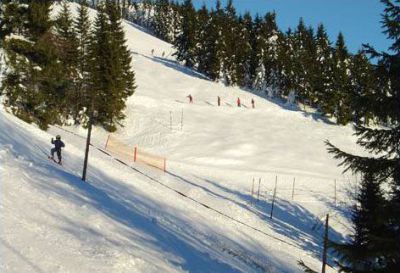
151,160
134,154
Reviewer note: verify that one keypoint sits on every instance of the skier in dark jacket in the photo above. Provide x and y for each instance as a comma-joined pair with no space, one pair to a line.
58,144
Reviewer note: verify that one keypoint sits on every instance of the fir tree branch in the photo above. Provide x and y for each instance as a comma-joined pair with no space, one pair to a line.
378,140
381,167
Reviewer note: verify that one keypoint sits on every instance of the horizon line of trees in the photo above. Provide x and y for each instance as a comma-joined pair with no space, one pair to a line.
253,53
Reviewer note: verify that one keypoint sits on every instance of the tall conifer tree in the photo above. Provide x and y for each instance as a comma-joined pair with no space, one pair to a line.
185,43
112,78
380,234
341,77
33,83
82,27
69,56
323,81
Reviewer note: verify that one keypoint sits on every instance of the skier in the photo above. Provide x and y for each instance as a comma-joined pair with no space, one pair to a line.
58,144
219,101
152,52
238,102
252,103
190,98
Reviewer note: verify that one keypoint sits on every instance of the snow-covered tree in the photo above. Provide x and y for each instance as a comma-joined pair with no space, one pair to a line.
33,83
185,43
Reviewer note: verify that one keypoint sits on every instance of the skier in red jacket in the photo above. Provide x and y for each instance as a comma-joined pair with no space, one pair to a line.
238,102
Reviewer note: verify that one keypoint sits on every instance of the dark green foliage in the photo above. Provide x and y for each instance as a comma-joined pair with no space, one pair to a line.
82,82
67,45
365,253
243,51
210,44
363,88
61,69
375,245
287,63
33,83
185,42
111,76
202,48
323,77
265,56
163,20
341,82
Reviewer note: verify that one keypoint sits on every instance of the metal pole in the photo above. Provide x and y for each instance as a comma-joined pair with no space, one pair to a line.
272,206
273,199
85,163
324,254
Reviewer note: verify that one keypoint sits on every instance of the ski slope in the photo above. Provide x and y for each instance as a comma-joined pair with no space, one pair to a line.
199,216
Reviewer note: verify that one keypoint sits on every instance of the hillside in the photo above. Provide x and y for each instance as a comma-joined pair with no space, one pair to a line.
200,215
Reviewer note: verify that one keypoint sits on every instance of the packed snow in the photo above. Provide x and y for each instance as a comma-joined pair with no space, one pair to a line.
209,212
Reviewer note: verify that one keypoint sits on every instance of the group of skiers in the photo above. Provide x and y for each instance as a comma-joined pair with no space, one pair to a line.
238,102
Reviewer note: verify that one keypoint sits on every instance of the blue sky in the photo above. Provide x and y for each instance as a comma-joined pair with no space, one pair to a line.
359,20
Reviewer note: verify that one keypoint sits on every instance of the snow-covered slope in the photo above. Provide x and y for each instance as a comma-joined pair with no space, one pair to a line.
134,220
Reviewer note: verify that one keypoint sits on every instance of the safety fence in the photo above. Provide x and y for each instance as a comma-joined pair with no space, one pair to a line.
187,197
134,154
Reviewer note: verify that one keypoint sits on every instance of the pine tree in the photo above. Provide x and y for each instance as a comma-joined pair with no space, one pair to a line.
163,20
341,82
230,31
363,85
243,52
381,250
34,86
214,44
363,254
323,81
202,50
269,37
69,56
287,63
185,43
112,78
82,27
256,54
304,60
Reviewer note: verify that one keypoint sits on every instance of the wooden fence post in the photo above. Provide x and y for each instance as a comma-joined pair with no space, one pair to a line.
294,182
182,120
108,138
134,154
